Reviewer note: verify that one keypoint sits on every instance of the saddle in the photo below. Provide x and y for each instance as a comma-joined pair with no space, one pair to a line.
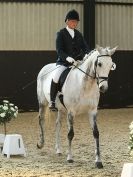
61,82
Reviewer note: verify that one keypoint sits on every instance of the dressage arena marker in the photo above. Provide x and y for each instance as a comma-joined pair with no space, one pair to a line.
13,145
127,170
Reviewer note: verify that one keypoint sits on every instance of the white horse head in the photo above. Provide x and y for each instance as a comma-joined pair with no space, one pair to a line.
101,64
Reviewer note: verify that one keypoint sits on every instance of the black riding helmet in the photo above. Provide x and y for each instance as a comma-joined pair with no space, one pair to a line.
72,15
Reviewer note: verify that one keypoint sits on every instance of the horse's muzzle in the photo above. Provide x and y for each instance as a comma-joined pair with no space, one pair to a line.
103,88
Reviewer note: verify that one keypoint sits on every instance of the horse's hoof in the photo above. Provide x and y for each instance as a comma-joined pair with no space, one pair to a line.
59,154
70,161
99,165
39,146
58,151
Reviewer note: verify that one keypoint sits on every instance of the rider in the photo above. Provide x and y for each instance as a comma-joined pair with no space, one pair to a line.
70,46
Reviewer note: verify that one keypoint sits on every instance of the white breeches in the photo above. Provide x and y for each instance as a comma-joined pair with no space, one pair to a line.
58,72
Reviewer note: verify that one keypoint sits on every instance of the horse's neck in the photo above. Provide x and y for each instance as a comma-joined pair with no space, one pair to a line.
88,65
88,81
77,76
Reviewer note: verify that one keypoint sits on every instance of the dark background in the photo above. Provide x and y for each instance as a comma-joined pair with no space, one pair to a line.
19,70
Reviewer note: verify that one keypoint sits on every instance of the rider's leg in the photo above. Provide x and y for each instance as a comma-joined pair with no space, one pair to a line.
54,87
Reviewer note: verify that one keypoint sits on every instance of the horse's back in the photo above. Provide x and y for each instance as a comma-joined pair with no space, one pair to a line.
47,69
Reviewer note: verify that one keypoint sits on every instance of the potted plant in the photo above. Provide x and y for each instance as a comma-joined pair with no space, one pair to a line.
7,112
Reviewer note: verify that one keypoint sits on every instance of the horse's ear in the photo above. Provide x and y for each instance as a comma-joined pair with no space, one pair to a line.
112,51
99,49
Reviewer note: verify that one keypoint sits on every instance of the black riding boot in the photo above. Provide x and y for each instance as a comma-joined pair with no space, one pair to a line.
53,93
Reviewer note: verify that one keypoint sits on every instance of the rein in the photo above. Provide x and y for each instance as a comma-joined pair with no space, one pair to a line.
95,77
83,71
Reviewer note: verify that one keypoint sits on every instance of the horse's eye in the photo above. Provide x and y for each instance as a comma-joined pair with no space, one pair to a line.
99,64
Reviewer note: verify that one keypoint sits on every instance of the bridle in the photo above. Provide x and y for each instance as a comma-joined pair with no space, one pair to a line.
96,76
101,78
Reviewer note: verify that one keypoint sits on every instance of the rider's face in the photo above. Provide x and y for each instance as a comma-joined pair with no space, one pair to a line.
72,23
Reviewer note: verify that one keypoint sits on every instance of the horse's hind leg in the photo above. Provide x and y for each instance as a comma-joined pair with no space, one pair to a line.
70,136
58,128
42,109
93,123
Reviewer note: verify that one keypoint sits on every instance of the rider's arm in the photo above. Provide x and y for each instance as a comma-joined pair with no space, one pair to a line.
60,47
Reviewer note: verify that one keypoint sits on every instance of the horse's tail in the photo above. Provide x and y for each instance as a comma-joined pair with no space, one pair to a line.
40,94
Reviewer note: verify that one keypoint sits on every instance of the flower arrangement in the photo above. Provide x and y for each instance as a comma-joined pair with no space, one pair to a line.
7,112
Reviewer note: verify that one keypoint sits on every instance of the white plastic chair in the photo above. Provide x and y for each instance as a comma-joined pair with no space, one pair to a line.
13,145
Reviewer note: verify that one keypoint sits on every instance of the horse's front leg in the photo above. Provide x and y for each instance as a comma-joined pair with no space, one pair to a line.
58,128
92,118
40,144
70,136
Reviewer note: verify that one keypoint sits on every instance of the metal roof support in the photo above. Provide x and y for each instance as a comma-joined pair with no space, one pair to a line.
89,22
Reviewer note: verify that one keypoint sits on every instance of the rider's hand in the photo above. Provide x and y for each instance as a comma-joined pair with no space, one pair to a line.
70,60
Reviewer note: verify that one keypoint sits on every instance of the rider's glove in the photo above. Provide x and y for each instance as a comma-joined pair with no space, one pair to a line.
70,60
